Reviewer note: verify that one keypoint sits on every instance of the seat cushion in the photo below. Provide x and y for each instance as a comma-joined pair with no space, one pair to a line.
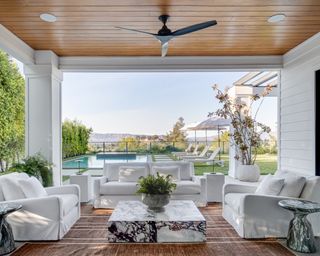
32,188
69,201
187,187
118,188
234,200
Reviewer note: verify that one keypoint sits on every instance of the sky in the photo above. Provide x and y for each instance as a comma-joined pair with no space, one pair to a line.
147,103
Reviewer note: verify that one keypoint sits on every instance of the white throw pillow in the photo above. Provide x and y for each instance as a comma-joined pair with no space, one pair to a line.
293,184
11,190
270,186
131,174
174,171
32,188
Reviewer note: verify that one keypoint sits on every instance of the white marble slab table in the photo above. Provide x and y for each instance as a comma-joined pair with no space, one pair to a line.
131,222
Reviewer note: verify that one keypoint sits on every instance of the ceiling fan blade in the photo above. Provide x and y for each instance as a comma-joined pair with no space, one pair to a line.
194,28
136,30
164,49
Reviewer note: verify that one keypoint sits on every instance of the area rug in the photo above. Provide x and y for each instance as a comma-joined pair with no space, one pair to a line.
89,237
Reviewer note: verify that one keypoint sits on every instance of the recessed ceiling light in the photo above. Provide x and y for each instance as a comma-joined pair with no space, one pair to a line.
47,17
277,18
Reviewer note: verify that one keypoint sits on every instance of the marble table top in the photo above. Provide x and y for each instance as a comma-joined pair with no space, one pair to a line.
300,205
176,210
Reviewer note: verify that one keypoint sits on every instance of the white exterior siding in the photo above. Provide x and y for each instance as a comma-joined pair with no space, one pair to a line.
297,107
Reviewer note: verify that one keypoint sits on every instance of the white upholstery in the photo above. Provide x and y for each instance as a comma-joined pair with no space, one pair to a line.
172,170
260,216
293,184
44,218
108,191
11,189
32,187
131,173
270,186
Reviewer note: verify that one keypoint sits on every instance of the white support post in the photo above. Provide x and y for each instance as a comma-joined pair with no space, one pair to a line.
43,110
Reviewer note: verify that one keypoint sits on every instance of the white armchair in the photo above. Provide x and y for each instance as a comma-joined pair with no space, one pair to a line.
44,218
260,216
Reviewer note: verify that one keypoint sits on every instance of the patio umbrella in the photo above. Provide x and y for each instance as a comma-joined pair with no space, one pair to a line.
191,127
214,123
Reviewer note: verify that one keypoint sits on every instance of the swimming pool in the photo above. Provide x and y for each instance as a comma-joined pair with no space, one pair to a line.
97,161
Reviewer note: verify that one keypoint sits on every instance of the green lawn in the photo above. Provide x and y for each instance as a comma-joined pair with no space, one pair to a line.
266,162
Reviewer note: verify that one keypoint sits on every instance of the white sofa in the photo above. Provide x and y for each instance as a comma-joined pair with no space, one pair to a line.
43,218
260,216
108,191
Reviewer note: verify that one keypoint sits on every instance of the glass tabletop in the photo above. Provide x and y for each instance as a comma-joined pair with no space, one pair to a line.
300,205
8,208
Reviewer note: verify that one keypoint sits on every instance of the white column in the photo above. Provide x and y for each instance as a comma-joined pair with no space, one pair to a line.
43,110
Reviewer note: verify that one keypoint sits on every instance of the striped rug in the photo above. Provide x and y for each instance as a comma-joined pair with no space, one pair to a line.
88,237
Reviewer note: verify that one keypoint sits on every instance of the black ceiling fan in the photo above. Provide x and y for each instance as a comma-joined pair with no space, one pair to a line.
164,35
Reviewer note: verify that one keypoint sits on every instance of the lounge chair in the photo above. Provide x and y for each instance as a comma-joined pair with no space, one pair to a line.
210,159
194,153
201,155
186,151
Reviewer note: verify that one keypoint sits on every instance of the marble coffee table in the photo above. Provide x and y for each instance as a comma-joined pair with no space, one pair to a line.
132,222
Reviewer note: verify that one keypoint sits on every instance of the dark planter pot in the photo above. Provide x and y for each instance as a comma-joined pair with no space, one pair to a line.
156,202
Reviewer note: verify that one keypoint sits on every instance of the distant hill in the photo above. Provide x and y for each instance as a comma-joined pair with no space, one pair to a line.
115,137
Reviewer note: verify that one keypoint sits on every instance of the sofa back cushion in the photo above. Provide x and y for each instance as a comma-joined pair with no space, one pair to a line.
186,168
131,173
293,183
270,185
111,170
13,176
172,170
311,189
32,188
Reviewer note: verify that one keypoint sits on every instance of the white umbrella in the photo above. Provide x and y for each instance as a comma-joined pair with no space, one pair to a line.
191,127
214,123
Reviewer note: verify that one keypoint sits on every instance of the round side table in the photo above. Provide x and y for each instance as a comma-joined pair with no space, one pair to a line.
7,244
300,235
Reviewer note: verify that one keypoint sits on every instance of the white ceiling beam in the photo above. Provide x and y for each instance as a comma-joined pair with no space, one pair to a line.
246,78
15,47
143,64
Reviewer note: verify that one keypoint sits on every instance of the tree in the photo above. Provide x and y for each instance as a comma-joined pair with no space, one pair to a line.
129,143
176,135
75,138
12,91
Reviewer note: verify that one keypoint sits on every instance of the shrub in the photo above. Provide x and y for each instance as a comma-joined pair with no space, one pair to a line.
156,185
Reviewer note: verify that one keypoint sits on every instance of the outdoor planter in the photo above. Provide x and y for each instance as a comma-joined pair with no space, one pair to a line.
248,172
155,202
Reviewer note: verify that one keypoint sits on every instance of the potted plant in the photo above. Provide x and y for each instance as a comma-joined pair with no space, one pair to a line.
156,191
246,131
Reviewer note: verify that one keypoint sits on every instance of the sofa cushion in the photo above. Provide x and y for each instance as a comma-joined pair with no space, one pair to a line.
186,168
270,185
69,201
234,200
174,171
11,189
186,187
131,174
111,170
14,176
293,184
118,188
311,189
32,187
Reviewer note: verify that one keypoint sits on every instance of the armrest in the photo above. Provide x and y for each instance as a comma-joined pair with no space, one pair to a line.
67,189
237,188
201,180
48,207
97,183
264,207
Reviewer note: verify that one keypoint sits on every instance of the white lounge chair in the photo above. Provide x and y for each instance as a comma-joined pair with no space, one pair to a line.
210,159
201,155
194,153
186,151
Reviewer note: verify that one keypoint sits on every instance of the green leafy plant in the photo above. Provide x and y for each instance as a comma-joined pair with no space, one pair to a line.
35,166
156,185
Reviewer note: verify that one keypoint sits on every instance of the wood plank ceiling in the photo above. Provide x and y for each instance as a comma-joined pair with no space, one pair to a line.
87,27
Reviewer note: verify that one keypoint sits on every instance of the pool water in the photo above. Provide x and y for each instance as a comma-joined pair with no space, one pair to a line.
97,161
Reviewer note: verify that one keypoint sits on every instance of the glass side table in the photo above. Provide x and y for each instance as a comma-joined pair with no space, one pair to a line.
7,244
300,235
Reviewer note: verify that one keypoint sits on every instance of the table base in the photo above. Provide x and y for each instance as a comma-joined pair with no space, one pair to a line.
7,243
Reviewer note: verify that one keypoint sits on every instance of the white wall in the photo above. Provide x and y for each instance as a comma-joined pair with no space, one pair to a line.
297,108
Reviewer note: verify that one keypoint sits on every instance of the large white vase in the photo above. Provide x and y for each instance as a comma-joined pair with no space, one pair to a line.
249,173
